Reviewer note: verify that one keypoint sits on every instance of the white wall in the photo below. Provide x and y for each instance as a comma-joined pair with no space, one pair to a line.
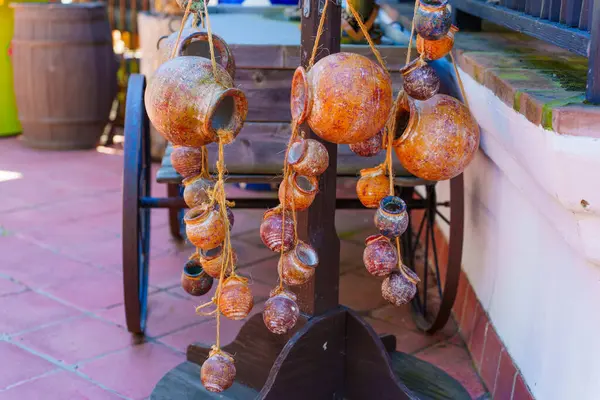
532,251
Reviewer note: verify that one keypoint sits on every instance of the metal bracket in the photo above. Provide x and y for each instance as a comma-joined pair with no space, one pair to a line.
306,9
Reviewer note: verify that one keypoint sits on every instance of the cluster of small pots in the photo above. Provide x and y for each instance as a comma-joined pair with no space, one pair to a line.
380,256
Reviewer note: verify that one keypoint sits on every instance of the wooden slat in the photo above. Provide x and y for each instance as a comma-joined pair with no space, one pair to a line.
553,10
268,93
585,15
593,83
534,8
573,40
570,11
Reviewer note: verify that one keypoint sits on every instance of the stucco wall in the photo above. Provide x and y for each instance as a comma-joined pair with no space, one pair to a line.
532,247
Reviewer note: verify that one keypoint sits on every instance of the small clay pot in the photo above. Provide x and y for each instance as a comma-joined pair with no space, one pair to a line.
436,49
298,265
433,19
308,157
218,372
187,161
420,80
345,98
437,138
204,227
380,257
235,300
370,147
191,106
398,289
372,186
391,217
195,192
194,280
281,311
194,42
300,192
212,261
270,230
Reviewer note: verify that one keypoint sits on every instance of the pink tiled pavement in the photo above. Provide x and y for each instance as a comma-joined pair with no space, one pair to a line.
62,325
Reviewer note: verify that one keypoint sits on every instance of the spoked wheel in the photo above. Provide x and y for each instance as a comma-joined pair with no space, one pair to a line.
439,282
136,219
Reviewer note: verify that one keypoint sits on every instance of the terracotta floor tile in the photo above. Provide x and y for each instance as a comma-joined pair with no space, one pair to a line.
106,253
455,361
361,293
165,270
28,310
506,378
135,371
399,316
263,271
90,289
18,365
76,340
9,287
58,386
407,341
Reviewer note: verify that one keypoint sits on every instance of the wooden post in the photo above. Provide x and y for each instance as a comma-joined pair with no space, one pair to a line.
593,82
317,225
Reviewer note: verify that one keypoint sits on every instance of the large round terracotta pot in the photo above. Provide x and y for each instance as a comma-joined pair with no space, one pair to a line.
345,98
435,139
192,107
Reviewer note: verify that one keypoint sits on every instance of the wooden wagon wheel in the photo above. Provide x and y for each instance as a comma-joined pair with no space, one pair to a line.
136,219
436,292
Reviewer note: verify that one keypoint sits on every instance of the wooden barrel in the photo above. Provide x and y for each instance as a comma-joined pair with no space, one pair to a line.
64,73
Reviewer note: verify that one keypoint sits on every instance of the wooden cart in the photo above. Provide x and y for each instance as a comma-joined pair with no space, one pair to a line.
351,351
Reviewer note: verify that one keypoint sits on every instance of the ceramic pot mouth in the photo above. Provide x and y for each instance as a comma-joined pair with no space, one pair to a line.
196,214
212,253
272,211
406,120
413,65
453,29
375,238
305,184
297,152
192,269
306,255
393,205
431,5
226,115
378,170
195,43
300,98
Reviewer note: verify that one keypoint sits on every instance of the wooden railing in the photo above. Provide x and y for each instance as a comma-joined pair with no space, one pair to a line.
571,24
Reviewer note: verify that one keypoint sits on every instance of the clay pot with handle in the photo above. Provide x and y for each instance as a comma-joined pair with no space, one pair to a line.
436,49
345,98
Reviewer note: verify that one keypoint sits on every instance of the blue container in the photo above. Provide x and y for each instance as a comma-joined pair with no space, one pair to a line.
285,2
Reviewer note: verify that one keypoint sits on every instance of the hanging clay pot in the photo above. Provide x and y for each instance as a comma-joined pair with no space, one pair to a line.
436,49
298,265
433,19
391,217
187,161
194,280
270,230
435,139
195,43
344,97
300,193
398,289
212,261
204,227
370,147
420,80
189,106
235,301
308,157
218,372
196,190
380,257
372,186
230,215
281,311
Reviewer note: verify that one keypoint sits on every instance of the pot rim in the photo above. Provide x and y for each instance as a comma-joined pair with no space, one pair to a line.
311,179
235,124
197,214
314,257
302,142
187,267
376,237
191,179
413,119
204,256
433,5
190,35
284,293
377,170
300,78
387,200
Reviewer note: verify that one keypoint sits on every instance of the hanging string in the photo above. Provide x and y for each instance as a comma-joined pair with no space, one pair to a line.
211,47
204,162
185,16
460,84
365,33
412,32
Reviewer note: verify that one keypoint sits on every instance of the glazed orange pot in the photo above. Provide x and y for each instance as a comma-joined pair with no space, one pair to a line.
435,139
281,311
235,300
436,49
195,43
300,192
308,157
192,107
194,280
271,230
212,261
372,186
370,147
196,190
204,227
345,98
298,265
187,161
218,372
